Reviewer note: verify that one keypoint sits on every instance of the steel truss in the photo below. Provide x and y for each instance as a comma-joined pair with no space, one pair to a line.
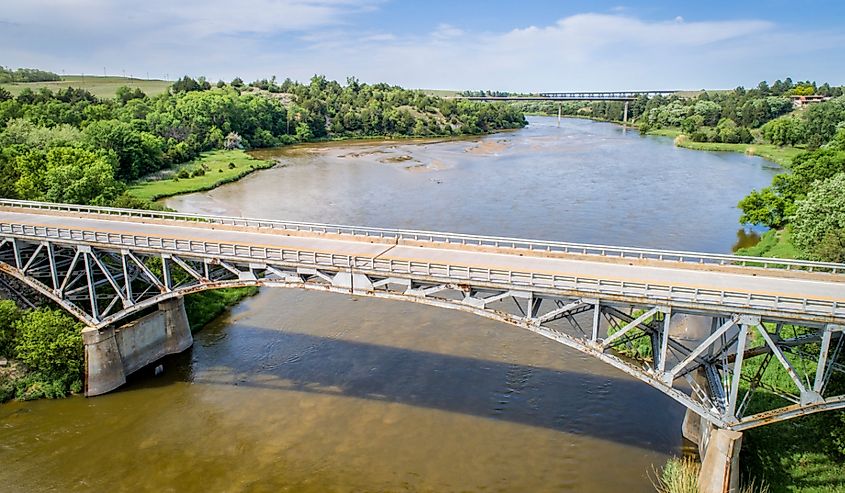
718,374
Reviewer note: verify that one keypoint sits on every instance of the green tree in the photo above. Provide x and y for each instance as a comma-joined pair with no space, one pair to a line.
138,153
709,111
50,342
763,207
9,314
25,133
66,174
821,121
125,94
691,124
784,131
820,218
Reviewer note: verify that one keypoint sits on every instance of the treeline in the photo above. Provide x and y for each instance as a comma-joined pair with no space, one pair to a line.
26,75
763,114
809,200
70,146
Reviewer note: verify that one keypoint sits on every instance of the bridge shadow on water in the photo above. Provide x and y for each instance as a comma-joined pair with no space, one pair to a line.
613,408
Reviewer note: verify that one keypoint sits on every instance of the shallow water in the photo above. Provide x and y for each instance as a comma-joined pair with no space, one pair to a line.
304,391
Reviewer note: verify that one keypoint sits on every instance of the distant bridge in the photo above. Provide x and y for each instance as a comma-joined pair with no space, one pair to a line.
575,96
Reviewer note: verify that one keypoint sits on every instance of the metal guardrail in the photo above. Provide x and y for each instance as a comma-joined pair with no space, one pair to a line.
705,298
605,251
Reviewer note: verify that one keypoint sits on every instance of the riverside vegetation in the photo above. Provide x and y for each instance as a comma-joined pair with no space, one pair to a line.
72,146
759,121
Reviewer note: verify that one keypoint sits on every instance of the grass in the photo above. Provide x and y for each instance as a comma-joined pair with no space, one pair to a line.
774,244
777,154
205,306
794,455
788,455
678,476
102,87
218,171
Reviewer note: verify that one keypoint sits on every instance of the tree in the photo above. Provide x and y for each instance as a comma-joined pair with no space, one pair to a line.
691,124
23,132
763,207
709,111
820,219
138,153
66,174
50,342
821,121
729,132
9,314
784,131
125,94
187,84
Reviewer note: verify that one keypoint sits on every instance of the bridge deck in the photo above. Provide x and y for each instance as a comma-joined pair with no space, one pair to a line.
770,282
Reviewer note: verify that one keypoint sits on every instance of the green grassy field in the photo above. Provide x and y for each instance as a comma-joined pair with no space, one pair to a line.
102,87
216,165
780,155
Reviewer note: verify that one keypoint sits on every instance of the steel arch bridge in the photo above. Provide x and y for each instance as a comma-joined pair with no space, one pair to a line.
701,328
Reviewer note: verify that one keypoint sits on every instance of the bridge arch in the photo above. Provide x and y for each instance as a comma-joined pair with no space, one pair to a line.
600,328
105,270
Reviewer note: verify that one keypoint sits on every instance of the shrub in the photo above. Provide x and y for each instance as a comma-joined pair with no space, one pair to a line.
9,314
183,173
232,165
198,172
39,386
50,342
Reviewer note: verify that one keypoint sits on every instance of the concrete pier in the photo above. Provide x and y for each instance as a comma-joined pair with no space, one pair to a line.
720,463
111,354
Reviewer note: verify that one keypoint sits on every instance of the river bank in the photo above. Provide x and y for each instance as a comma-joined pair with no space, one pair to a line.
208,171
215,168
780,155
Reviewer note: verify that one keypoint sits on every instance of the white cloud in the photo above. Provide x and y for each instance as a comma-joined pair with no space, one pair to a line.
298,38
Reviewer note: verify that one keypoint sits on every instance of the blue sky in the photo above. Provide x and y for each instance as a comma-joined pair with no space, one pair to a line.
523,46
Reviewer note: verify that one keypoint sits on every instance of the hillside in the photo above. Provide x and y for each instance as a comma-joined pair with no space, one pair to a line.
102,87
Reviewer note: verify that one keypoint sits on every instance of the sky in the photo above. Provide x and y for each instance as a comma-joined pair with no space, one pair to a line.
543,45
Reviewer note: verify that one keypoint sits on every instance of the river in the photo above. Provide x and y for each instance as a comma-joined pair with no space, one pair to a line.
312,392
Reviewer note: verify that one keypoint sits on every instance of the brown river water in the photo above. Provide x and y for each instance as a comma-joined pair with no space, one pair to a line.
313,392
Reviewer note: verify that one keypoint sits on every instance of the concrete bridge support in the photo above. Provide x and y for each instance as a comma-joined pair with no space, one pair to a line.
719,452
113,353
717,448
